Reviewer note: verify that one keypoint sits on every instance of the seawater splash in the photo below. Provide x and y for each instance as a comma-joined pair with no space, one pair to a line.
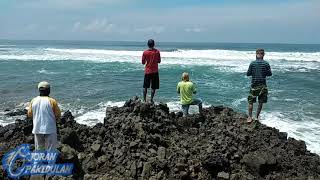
225,60
306,130
95,54
44,71
94,116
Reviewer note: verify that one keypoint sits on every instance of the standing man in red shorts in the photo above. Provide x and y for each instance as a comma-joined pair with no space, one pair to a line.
151,58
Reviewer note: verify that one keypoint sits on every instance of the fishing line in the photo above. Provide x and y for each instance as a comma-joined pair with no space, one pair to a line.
247,58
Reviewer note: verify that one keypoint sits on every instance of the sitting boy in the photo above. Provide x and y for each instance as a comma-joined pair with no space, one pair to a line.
186,89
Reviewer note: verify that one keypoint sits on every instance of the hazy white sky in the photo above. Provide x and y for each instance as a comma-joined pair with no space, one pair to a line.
286,21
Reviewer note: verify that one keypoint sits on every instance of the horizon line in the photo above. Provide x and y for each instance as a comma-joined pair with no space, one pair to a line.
202,42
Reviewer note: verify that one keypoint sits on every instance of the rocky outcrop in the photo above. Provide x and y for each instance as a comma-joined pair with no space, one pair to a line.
15,112
145,141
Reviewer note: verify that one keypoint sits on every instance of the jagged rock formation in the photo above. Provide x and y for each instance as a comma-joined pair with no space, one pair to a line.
145,141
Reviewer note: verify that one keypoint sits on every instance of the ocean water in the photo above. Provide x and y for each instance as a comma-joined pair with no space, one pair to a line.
87,77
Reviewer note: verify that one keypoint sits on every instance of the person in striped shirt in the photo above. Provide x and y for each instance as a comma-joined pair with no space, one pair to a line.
44,111
259,70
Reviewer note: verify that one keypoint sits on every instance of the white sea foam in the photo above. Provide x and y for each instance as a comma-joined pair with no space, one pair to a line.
43,71
100,54
224,60
174,106
203,54
307,130
4,120
237,102
97,115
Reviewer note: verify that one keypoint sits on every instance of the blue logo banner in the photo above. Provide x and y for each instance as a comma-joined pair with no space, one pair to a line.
34,163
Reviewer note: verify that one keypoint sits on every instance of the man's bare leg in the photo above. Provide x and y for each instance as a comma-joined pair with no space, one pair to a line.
153,92
145,90
250,109
259,110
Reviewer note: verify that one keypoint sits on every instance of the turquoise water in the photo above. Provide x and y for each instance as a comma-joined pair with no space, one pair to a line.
87,77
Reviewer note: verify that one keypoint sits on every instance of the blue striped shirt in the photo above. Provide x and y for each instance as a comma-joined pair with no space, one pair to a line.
259,70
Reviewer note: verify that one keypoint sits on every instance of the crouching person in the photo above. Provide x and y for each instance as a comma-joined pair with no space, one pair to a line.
45,112
186,89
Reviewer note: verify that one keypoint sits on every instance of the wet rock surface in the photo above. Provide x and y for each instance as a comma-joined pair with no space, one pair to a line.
15,112
145,141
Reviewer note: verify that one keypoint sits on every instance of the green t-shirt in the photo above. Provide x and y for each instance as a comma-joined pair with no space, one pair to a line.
186,90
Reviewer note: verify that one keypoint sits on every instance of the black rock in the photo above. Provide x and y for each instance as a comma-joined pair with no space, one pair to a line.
260,162
8,134
27,129
223,176
146,141
69,155
71,138
216,163
217,109
67,118
17,112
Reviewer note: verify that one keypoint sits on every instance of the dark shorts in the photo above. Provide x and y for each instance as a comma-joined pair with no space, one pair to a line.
261,92
151,79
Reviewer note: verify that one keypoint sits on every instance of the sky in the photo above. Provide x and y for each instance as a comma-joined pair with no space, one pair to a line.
256,21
